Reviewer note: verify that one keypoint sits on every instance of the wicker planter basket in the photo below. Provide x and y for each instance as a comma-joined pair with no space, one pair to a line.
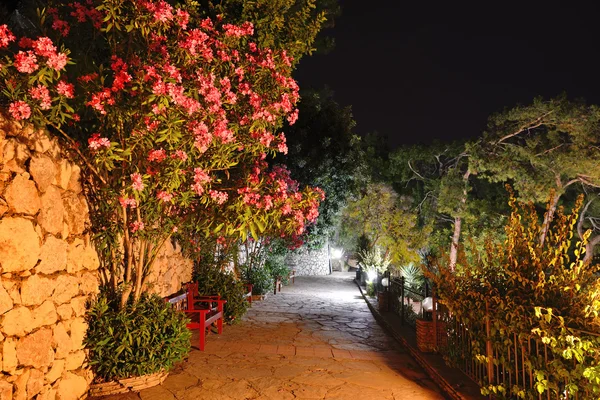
258,297
426,337
125,385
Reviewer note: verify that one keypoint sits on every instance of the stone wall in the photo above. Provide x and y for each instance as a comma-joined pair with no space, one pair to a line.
309,262
170,271
48,269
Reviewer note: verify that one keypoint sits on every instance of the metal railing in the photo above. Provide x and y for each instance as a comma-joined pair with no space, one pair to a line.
406,301
506,361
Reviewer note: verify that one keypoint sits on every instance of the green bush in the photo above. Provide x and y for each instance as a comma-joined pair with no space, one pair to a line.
277,267
213,281
260,278
145,338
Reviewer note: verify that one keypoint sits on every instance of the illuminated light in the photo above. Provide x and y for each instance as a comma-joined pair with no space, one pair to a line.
372,275
427,304
385,282
336,253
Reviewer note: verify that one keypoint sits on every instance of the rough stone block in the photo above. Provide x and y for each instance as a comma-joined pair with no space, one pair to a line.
78,305
43,171
9,356
76,212
58,366
18,322
36,289
65,288
22,196
78,330
6,390
35,350
6,302
74,360
62,341
65,311
19,245
53,256
51,217
88,283
35,383
75,181
21,386
71,387
45,314
63,176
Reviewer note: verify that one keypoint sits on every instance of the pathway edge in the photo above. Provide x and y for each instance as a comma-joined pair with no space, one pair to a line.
415,353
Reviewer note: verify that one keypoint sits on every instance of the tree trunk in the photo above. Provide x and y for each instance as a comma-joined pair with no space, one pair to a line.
454,245
589,249
458,224
548,217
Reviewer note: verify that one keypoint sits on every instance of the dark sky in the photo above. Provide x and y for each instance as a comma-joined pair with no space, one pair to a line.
417,71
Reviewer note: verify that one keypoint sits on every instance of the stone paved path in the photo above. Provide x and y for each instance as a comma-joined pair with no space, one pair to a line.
315,340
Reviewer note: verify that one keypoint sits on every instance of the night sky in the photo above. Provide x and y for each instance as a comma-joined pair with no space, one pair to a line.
419,72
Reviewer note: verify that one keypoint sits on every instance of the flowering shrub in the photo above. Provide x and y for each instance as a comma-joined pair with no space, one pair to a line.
174,119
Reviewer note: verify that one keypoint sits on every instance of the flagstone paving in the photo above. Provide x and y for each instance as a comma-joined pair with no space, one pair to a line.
315,340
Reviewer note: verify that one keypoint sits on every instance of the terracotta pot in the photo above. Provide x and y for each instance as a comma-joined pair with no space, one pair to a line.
133,384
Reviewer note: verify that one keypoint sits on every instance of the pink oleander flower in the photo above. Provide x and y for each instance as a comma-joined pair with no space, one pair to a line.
164,196
137,226
246,29
282,147
183,17
6,36
26,62
42,94
175,230
201,176
137,183
44,47
218,197
286,209
128,202
96,142
182,155
157,155
65,89
293,117
57,61
19,110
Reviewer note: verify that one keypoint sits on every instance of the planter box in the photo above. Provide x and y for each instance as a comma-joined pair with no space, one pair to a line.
134,384
426,337
383,301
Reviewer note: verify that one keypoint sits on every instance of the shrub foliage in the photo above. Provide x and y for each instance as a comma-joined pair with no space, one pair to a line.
142,338
537,292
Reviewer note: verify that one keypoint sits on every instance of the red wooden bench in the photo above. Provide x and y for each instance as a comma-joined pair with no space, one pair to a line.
291,277
203,311
248,294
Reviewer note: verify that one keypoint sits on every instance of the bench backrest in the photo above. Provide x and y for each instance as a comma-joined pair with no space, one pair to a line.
180,302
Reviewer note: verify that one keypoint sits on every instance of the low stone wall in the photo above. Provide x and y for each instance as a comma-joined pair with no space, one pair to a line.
309,262
170,271
48,268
